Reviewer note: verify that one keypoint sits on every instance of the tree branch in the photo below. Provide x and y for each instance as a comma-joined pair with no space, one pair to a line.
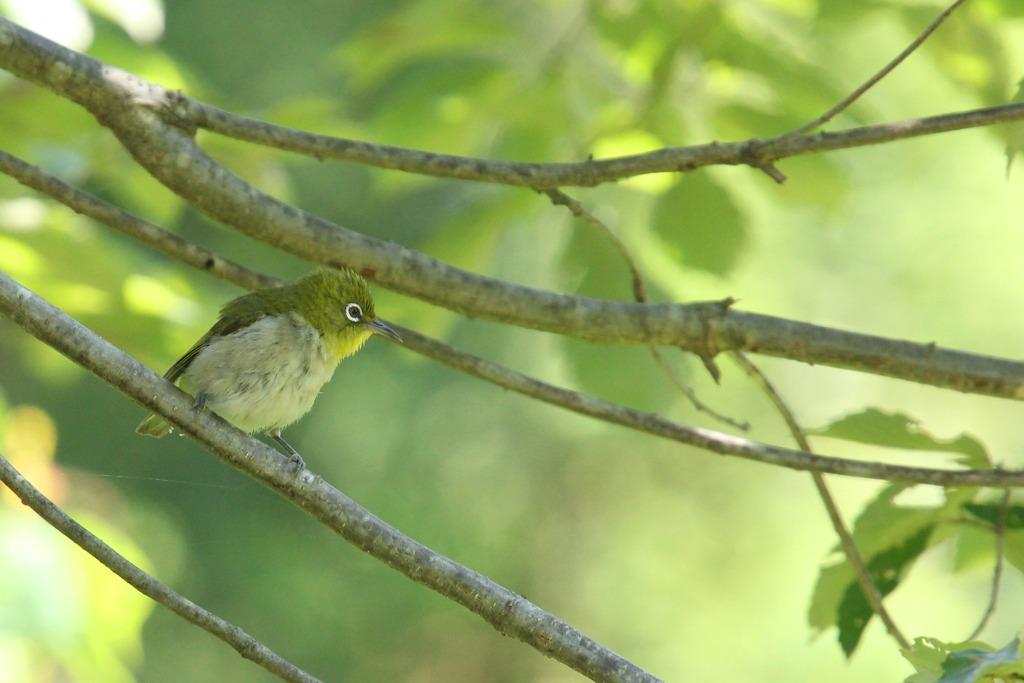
157,127
870,83
242,642
705,439
756,152
509,613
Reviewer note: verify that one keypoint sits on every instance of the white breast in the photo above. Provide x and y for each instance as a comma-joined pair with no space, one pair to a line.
264,376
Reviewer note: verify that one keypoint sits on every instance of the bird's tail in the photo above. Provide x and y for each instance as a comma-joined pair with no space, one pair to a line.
154,425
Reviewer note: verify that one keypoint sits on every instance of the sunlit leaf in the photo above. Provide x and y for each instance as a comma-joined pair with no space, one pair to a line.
1015,131
897,430
940,662
927,656
890,538
974,663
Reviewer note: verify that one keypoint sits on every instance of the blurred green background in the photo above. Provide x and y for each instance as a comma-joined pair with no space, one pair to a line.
693,566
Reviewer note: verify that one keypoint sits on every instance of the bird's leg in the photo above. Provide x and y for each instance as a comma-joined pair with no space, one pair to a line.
200,401
293,455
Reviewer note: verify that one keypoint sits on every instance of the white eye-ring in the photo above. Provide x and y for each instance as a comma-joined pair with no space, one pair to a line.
354,313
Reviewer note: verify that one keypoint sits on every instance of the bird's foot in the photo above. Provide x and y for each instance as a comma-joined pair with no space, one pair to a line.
293,455
297,461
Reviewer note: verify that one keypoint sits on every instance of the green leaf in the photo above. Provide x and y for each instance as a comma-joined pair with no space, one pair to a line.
886,569
890,537
938,662
880,526
989,512
1013,549
927,656
897,430
971,664
698,217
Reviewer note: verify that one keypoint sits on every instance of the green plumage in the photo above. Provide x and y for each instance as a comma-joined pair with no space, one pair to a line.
266,358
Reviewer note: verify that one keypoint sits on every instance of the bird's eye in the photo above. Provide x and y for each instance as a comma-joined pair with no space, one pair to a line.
354,313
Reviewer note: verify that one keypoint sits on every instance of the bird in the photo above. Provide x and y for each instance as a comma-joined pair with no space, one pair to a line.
263,363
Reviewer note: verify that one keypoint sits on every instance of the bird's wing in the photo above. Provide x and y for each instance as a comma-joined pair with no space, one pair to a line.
235,315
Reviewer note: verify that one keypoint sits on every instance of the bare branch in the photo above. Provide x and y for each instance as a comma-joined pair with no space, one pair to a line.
242,642
706,439
870,83
509,613
756,152
687,326
107,92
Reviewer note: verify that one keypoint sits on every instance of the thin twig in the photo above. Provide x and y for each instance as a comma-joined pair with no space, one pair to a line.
706,439
997,573
560,198
691,394
242,642
867,85
860,569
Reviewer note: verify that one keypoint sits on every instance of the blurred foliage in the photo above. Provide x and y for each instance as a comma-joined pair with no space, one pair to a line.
938,662
641,544
63,616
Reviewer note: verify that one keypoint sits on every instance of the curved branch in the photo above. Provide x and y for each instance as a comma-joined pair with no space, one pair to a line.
705,439
154,126
870,83
509,613
242,642
756,152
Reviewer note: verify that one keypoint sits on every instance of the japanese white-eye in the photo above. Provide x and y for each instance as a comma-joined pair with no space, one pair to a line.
264,361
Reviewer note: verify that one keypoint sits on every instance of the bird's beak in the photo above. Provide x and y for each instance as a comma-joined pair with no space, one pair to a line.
381,327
